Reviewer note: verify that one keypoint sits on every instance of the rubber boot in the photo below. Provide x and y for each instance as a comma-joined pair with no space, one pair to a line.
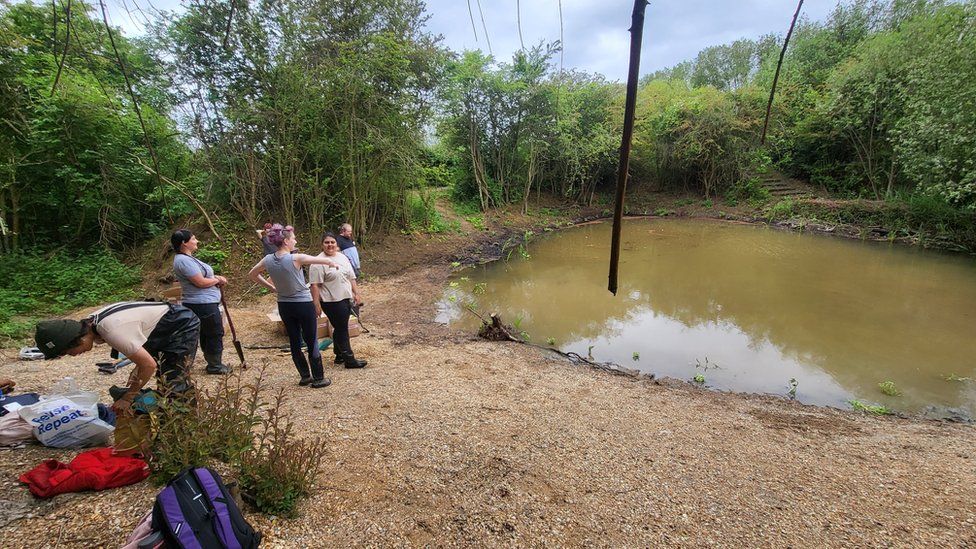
214,364
349,359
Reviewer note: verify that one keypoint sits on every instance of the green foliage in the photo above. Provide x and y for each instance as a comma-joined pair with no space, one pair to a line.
72,156
550,341
877,410
635,356
699,378
748,190
955,378
233,423
213,256
37,286
520,126
888,388
280,468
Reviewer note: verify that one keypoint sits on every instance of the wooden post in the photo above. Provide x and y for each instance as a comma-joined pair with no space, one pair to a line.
779,65
636,34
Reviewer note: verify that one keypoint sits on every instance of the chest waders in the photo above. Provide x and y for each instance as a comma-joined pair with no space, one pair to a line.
172,343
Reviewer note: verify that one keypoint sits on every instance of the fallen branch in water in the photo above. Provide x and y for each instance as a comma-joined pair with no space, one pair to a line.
493,329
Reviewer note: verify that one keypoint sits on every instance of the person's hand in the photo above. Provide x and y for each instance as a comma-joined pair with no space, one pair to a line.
123,407
221,281
357,299
7,384
318,310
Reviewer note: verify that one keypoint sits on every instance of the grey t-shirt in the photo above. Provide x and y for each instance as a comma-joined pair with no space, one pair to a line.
185,266
289,281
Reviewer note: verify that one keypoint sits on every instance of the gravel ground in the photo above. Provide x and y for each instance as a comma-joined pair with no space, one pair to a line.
451,441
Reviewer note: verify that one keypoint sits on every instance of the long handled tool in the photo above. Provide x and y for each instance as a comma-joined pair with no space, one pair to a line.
233,333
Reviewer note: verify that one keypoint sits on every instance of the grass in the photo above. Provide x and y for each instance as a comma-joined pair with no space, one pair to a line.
888,388
38,286
877,410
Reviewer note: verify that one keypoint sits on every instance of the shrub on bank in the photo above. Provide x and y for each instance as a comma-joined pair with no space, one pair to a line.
235,425
924,217
38,285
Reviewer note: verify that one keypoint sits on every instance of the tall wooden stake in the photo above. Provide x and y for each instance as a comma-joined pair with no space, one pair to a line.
779,65
636,34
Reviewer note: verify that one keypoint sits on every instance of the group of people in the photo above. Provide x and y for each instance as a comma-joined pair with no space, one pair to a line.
161,338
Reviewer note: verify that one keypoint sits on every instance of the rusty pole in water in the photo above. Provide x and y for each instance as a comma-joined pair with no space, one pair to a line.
636,34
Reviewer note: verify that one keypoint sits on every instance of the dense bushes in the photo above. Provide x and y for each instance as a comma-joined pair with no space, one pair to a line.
38,285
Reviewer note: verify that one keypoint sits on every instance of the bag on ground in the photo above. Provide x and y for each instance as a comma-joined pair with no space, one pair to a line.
195,510
67,418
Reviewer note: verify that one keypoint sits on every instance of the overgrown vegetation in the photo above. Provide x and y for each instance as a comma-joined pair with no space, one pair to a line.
235,424
316,112
38,285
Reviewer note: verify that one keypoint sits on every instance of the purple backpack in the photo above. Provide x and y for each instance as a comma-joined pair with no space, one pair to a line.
195,511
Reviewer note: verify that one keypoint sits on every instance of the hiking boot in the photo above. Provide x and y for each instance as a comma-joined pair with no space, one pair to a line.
319,383
338,360
354,363
218,369
305,381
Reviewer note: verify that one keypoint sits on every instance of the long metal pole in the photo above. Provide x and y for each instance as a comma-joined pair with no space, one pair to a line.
779,65
636,34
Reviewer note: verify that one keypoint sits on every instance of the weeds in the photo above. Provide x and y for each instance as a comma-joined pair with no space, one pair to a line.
877,410
792,392
955,378
280,469
551,341
213,256
234,424
70,281
888,388
480,288
635,357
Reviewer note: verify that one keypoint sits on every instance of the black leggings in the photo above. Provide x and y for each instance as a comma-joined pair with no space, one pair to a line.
300,322
338,313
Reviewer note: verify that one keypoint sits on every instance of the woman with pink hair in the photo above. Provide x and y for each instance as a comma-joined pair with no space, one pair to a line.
294,300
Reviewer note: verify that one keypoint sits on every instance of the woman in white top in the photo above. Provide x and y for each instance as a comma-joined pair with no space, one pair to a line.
334,291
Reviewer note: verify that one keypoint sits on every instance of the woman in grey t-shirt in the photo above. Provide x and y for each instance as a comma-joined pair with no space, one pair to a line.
201,294
294,300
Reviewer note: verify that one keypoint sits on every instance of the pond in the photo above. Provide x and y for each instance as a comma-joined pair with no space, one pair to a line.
746,308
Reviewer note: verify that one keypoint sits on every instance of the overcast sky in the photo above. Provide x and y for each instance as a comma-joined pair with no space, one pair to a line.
595,31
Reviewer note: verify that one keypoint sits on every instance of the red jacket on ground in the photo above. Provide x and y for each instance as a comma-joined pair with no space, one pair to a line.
91,470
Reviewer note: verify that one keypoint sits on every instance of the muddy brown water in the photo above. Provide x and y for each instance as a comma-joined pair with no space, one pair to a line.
748,308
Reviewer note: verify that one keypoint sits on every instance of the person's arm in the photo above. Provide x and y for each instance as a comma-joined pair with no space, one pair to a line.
145,368
315,299
255,275
305,259
201,281
7,384
356,298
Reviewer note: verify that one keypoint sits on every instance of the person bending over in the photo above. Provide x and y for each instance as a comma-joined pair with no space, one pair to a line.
160,338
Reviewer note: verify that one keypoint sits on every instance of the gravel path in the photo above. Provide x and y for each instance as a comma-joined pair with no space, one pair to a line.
450,441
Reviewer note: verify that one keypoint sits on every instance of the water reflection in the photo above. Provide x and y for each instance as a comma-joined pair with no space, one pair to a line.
764,305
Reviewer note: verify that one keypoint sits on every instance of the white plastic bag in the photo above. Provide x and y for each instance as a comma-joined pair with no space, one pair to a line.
67,418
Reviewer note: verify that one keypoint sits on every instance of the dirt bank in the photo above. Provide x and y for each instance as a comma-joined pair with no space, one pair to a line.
448,440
